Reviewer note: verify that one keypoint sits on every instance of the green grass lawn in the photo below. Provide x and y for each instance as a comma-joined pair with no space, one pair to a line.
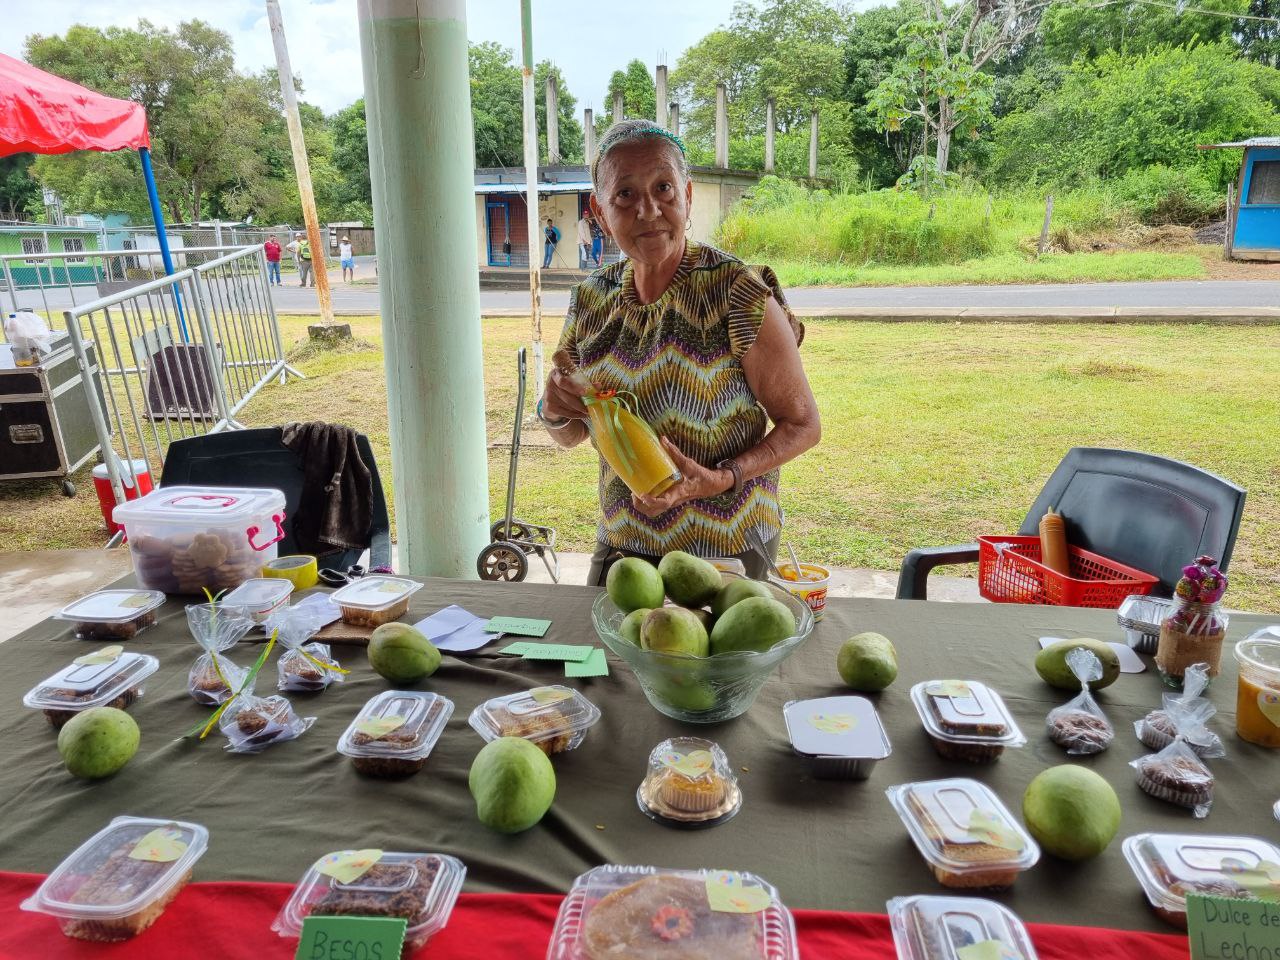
933,433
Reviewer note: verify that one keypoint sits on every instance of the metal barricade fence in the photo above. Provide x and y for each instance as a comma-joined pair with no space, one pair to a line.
178,356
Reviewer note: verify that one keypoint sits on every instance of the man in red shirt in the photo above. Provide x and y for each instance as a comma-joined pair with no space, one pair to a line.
272,249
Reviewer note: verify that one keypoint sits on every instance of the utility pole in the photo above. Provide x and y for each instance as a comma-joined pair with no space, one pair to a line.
422,168
531,186
301,167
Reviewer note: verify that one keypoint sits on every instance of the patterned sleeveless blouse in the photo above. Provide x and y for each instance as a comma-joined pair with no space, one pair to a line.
681,358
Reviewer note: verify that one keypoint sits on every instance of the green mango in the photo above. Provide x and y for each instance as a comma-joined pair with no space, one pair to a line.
756,623
513,784
689,581
1051,664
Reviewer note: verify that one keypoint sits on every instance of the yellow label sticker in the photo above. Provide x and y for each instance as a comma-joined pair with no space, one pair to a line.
694,764
106,655
727,892
986,827
987,950
135,601
549,694
837,723
390,586
378,727
348,866
948,688
161,845
1269,704
1261,880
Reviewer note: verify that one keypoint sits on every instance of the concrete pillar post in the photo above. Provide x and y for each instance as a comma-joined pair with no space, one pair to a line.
770,126
618,110
553,120
673,117
660,94
722,127
589,136
418,99
813,145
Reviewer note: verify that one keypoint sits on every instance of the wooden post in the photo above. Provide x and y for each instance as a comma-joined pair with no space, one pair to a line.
1229,240
418,104
1043,247
534,220
301,166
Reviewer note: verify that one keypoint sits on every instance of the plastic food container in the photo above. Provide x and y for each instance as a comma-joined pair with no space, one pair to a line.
112,614
114,682
966,834
689,784
556,718
966,720
394,732
938,928
191,539
420,888
810,587
842,737
614,911
1258,688
1141,618
116,883
1171,865
375,600
259,597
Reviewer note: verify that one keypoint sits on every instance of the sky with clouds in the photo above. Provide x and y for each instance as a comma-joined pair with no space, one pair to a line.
588,40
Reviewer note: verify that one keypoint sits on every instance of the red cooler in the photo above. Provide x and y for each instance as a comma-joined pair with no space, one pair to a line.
134,477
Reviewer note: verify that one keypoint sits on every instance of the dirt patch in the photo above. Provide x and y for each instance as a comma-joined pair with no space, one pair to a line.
1131,236
1220,269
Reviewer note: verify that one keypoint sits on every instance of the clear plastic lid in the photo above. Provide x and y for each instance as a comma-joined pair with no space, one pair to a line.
420,888
1171,865
844,727
1143,613
965,711
92,680
258,596
960,826
648,912
198,505
398,725
111,606
957,928
121,870
556,714
375,592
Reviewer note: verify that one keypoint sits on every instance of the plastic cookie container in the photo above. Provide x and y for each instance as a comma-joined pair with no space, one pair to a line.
419,888
618,911
259,597
112,615
394,733
965,834
556,718
375,600
944,928
106,678
966,720
116,883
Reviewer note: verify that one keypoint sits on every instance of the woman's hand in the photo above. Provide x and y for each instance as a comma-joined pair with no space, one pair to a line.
562,398
696,482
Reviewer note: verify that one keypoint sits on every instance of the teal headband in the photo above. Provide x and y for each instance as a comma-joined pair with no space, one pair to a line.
628,134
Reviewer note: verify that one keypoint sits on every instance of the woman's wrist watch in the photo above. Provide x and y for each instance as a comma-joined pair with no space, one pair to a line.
732,466
558,424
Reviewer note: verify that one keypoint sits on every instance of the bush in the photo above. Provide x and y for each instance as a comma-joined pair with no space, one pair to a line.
1160,195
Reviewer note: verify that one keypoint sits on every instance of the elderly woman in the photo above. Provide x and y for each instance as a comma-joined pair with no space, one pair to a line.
709,350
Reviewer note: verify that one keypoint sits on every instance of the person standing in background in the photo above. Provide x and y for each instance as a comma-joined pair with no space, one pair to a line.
293,249
304,264
347,259
272,249
584,238
597,241
551,237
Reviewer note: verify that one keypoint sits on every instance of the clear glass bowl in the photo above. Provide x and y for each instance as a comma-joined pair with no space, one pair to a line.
702,689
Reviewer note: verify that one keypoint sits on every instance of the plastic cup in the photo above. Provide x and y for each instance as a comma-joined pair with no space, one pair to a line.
810,586
1258,692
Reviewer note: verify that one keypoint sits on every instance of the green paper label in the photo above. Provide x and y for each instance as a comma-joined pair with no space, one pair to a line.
1262,880
1222,929
595,665
106,655
987,950
348,866
379,727
948,688
727,892
370,938
693,764
135,601
520,626
985,827
161,845
557,651
837,723
1269,706
549,694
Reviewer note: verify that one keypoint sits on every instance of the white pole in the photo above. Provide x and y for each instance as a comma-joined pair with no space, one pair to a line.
531,188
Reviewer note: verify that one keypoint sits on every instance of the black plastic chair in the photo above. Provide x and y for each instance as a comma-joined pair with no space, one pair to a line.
1145,511
259,458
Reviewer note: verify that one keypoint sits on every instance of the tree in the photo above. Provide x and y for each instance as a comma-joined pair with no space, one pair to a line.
20,195
570,129
874,45
639,96
496,106
1259,38
1088,29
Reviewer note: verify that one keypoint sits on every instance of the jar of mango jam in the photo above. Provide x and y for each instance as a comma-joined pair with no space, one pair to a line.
1258,692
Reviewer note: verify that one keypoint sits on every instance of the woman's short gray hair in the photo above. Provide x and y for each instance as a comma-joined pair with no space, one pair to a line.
637,131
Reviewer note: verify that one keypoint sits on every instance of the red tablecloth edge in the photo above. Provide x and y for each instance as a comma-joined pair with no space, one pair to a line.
233,920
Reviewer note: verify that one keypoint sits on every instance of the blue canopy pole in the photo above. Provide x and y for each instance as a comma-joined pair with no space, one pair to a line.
158,216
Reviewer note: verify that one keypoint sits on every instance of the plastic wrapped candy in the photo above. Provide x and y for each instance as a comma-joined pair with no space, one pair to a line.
1196,626
1079,725
303,666
1156,730
213,678
1176,773
251,724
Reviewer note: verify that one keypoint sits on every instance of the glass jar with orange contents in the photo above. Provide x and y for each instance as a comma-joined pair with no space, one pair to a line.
1258,693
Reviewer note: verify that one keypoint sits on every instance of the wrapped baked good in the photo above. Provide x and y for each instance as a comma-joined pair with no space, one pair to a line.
1079,725
944,928
394,733
214,679
644,913
1156,730
112,616
966,835
689,783
116,883
374,600
555,718
965,720
419,888
106,678
251,724
1176,773
1169,866
303,666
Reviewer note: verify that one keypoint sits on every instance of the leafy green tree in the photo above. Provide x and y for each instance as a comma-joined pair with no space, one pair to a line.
570,129
639,95
1259,36
496,105
20,195
874,45
351,160
1088,28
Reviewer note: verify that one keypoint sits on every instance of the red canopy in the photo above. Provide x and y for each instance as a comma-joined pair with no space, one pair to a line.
41,113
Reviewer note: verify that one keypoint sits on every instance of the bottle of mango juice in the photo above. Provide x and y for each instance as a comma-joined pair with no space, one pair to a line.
1258,690
628,444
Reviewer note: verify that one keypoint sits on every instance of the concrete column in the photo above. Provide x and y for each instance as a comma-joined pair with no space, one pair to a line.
660,94
722,127
553,120
418,105
770,126
589,136
813,145
618,113
673,118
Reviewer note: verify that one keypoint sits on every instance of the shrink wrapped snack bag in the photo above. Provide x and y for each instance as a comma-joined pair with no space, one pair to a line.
251,724
1079,725
1156,731
213,678
1176,773
303,665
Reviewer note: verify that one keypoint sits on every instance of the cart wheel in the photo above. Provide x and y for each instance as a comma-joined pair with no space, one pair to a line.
518,531
68,488
502,561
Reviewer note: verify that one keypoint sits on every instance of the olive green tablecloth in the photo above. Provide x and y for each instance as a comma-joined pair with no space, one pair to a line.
826,845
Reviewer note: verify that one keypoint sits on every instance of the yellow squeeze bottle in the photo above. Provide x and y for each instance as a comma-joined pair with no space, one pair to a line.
628,444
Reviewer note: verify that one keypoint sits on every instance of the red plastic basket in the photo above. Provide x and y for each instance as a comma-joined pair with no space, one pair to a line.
1010,571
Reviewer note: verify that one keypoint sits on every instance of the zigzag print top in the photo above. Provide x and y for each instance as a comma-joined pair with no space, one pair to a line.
681,356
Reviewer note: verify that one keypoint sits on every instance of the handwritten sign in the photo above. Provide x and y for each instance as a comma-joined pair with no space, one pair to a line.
1222,929
370,938
574,653
520,626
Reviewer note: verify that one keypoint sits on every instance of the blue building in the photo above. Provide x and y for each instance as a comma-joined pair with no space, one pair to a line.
1253,216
